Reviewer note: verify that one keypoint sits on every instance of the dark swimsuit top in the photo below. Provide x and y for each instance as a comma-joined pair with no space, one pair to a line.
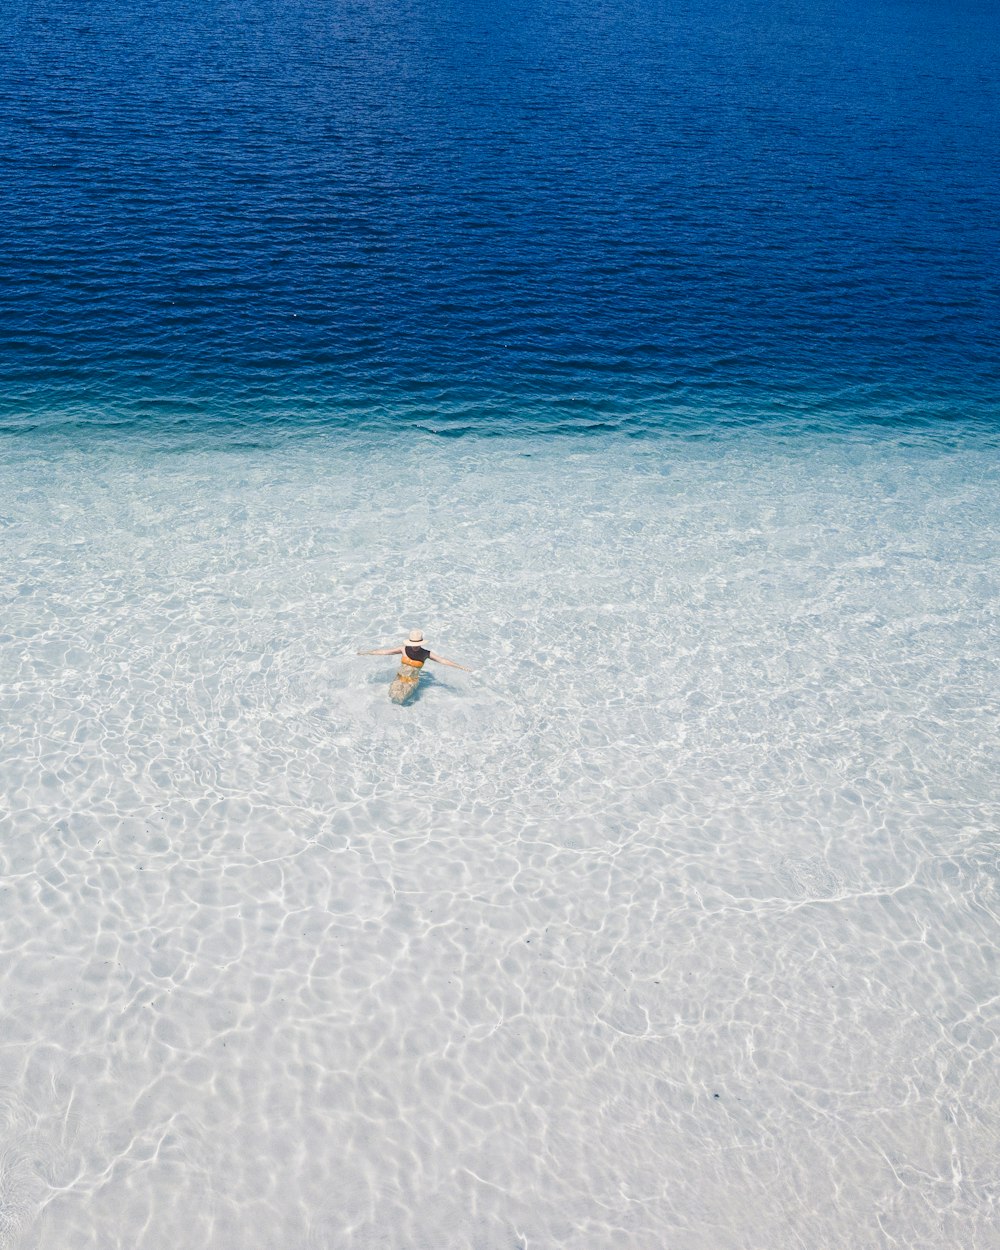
416,655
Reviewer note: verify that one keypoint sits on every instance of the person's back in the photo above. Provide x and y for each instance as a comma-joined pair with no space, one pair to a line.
415,655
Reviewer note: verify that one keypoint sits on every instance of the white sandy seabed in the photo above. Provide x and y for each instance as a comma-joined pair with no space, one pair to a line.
672,927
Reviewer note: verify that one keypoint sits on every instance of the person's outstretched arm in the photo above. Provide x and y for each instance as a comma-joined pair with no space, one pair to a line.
439,659
384,651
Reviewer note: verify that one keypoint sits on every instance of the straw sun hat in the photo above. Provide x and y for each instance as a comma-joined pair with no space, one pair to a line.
416,636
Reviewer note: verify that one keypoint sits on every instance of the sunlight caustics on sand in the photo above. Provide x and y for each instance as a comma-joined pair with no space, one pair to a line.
672,924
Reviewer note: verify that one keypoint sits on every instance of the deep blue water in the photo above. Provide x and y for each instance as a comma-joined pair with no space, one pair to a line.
503,215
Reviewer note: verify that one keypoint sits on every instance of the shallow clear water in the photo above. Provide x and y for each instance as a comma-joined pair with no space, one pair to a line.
675,923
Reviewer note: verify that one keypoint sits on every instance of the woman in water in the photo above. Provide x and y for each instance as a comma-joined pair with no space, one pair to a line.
414,656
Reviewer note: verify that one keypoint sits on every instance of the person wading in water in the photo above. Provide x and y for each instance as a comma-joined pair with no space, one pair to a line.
414,656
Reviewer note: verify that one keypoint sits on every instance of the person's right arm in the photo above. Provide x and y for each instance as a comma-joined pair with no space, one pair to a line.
439,659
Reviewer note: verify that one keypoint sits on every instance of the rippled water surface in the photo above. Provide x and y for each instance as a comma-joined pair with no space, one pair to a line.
644,356
495,214
673,923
